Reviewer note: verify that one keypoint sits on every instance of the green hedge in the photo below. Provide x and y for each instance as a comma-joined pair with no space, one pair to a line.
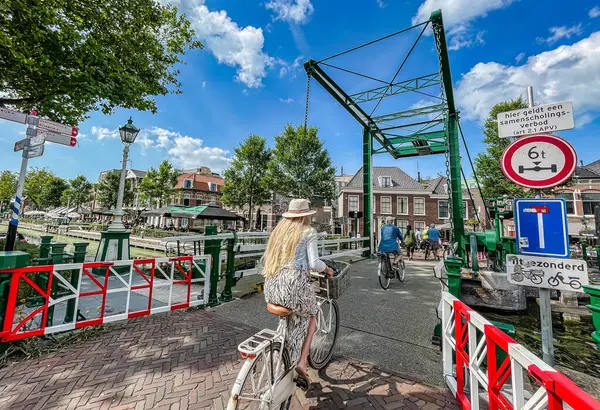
158,233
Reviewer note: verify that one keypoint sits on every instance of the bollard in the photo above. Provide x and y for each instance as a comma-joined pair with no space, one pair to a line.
213,248
453,266
45,243
8,260
57,254
594,306
79,252
227,294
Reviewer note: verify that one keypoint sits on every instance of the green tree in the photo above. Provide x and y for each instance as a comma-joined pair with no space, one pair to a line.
246,181
8,188
108,190
37,183
53,192
157,186
487,164
301,167
79,192
67,58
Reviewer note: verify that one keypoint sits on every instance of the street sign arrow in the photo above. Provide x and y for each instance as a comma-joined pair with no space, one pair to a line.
60,139
19,145
13,115
58,127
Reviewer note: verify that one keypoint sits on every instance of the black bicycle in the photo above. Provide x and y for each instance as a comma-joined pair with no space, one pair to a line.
387,270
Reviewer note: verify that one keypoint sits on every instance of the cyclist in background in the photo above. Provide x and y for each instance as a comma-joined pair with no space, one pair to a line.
388,242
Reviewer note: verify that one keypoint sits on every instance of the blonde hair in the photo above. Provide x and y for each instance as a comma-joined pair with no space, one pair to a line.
281,248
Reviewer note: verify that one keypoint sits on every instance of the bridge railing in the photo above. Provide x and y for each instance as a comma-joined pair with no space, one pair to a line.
94,293
481,363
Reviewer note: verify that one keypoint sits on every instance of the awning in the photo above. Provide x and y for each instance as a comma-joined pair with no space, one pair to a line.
208,211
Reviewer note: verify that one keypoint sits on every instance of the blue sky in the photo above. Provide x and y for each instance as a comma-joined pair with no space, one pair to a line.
249,78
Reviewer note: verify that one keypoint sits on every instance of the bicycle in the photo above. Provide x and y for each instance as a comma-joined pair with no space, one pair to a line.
266,380
386,271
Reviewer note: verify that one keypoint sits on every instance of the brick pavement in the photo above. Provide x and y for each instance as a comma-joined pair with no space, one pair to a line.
184,360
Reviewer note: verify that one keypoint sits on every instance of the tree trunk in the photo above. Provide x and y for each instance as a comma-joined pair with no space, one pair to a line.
250,212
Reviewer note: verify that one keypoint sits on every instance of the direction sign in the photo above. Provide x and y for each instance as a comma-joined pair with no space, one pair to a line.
539,119
541,227
33,152
58,127
60,139
12,115
19,145
548,273
539,161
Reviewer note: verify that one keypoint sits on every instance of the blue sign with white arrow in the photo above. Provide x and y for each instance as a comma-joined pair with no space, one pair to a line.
541,227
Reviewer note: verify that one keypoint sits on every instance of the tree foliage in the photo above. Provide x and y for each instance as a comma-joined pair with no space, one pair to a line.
68,57
8,186
487,164
79,192
42,187
107,190
53,192
246,181
300,167
158,184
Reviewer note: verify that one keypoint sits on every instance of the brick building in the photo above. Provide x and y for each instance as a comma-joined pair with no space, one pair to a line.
197,187
407,200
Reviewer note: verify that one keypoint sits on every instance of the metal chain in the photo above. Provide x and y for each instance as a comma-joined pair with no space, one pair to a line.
308,76
437,34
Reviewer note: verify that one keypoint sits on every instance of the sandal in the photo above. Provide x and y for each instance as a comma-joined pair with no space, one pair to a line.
302,381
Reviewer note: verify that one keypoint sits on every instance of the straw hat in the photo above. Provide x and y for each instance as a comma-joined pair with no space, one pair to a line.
298,208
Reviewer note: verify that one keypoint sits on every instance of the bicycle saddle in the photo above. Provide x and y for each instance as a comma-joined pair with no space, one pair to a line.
278,310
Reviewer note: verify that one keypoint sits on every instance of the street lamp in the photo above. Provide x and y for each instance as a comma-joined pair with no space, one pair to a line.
114,244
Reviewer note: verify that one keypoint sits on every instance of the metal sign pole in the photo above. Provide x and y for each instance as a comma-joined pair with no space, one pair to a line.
545,306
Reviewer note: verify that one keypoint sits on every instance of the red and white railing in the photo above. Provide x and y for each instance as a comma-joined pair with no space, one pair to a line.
170,278
478,371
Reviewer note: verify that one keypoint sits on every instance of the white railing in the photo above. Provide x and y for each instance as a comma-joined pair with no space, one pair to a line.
483,364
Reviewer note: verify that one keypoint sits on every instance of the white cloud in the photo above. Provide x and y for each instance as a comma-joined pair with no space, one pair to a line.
457,17
188,152
230,44
101,133
560,33
381,4
291,11
582,120
290,68
204,84
286,100
519,57
594,12
567,73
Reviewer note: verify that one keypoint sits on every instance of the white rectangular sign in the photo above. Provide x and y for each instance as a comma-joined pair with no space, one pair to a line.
548,273
60,139
540,119
13,115
58,127
33,152
19,145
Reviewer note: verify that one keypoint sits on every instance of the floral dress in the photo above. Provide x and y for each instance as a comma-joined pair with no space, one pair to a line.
290,287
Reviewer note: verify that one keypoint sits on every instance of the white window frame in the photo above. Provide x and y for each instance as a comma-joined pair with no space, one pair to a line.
403,228
415,206
381,179
381,205
583,203
357,203
572,200
191,183
420,222
398,200
466,210
439,202
187,195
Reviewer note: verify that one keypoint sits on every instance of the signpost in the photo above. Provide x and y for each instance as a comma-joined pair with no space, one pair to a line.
547,273
534,120
32,146
541,227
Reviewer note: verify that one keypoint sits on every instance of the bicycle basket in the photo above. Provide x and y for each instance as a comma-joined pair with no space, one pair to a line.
337,284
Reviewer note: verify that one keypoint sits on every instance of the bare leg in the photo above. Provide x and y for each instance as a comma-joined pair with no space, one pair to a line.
303,362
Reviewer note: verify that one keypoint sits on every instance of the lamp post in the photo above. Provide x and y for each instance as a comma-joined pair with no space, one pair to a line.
114,244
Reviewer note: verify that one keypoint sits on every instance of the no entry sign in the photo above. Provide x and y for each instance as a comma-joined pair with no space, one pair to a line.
539,161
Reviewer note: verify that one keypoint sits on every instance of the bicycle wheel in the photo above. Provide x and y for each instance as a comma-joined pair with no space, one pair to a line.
536,279
321,348
384,281
401,272
257,379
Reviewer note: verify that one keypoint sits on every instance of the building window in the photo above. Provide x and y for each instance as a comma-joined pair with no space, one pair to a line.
188,183
590,201
212,186
186,198
465,210
419,206
386,204
419,225
213,200
443,211
385,182
352,203
198,195
402,205
402,224
568,196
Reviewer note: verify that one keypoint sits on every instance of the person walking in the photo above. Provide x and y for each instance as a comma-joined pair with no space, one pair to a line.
410,241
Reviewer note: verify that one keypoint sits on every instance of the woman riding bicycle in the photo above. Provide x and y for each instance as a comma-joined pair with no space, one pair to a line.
291,253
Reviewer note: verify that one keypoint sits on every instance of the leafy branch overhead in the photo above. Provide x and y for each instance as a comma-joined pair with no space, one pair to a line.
69,57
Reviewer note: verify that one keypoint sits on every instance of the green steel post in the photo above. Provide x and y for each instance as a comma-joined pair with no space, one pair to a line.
227,294
57,254
584,254
45,242
8,260
213,248
453,265
367,197
597,256
594,306
79,252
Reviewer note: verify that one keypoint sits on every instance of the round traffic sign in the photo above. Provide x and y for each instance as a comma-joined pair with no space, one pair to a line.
539,161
